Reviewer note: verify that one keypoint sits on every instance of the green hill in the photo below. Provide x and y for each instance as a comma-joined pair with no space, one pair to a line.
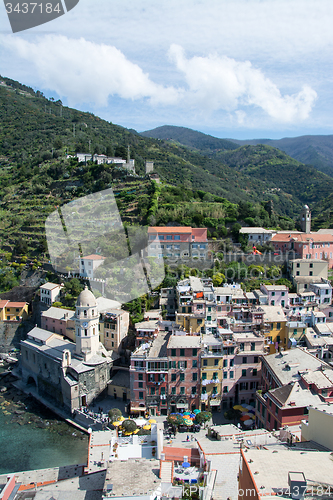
36,174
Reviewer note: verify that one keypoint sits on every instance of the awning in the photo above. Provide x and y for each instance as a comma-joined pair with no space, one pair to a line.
215,402
138,408
182,405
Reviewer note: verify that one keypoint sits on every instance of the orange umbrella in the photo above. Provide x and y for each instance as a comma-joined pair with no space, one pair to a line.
244,417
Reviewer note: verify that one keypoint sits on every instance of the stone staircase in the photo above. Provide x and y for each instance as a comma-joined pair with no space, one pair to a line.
166,472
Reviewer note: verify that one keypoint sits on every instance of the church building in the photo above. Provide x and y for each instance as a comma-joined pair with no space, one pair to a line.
68,374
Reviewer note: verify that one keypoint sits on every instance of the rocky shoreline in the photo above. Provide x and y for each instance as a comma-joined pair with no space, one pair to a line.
22,409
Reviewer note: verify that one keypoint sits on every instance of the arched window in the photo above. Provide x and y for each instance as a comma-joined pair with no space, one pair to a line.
85,313
86,332
93,312
93,331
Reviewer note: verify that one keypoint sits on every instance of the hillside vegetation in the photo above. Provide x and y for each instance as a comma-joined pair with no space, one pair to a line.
36,176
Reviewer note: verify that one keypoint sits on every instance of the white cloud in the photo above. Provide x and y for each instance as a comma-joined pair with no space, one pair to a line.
85,71
222,83
89,72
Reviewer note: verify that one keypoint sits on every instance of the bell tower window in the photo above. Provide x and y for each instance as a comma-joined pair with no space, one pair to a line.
86,332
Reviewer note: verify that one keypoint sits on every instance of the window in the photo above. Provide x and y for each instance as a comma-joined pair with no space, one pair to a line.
244,360
140,376
311,265
209,318
140,385
194,389
169,237
152,391
177,237
255,371
173,390
225,389
204,376
173,377
182,352
225,374
203,390
194,377
243,373
194,352
182,390
182,377
194,363
231,363
215,376
173,352
241,346
256,359
216,362
225,363
162,390
140,395
161,237
278,326
205,362
283,294
231,374
272,302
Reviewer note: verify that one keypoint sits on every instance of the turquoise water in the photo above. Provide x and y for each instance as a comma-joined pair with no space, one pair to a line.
27,446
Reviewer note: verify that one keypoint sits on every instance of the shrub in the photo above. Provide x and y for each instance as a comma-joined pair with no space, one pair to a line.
114,414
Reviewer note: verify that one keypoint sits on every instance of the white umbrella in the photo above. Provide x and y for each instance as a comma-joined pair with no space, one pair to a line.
248,422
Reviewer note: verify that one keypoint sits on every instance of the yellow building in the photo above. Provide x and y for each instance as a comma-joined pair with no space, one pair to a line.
13,311
189,321
211,373
274,328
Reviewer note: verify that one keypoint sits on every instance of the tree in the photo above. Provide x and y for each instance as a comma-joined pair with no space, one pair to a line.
114,414
175,419
218,279
203,417
129,426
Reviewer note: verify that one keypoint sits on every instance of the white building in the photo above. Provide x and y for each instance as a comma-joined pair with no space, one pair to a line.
88,264
323,292
257,234
49,293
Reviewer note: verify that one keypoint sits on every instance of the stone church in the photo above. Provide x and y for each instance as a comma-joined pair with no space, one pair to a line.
68,374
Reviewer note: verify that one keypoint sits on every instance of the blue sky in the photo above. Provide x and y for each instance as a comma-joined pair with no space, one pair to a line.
230,68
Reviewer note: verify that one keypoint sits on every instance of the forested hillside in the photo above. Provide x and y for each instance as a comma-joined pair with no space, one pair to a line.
36,175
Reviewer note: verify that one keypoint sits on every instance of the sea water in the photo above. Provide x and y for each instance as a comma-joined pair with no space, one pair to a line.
24,445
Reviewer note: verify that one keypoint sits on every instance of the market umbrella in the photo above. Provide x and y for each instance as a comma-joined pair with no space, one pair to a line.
244,418
252,411
191,415
121,419
187,413
187,421
136,431
249,407
252,416
238,407
248,422
152,421
249,415
186,464
196,411
116,424
147,427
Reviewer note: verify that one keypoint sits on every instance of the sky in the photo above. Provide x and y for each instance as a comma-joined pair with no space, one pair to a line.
242,69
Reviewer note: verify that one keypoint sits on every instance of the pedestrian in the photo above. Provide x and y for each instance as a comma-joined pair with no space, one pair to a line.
192,437
188,438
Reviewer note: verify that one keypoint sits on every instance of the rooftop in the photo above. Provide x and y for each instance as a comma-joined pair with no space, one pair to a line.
57,313
287,365
184,341
170,229
133,477
93,257
273,314
50,286
158,347
270,467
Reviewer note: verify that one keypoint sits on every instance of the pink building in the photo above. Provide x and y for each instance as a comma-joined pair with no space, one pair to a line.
305,245
277,294
61,321
178,242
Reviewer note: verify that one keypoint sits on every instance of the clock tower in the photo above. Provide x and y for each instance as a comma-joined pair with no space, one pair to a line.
86,325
